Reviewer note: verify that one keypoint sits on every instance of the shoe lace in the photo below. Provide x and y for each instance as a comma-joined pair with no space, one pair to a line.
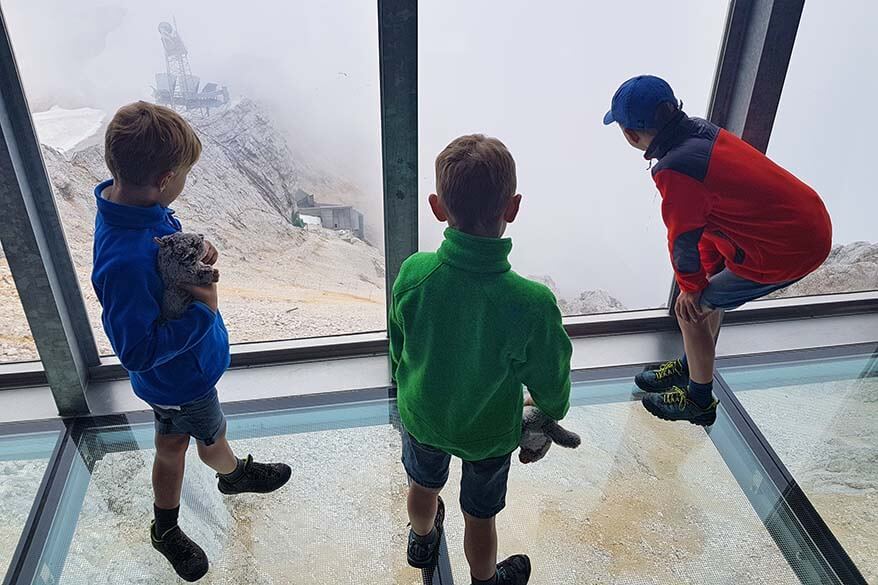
181,547
676,397
668,369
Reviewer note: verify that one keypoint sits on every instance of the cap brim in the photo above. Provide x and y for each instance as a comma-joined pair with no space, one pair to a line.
608,118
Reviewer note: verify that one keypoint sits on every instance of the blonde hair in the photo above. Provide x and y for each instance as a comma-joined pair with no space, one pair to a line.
475,177
144,141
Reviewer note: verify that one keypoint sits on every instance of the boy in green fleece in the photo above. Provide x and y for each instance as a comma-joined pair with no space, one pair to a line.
466,332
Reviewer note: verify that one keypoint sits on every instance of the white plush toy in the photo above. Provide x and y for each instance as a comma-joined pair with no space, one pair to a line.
538,432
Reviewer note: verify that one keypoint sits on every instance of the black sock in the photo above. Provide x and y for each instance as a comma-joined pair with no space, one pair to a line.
427,539
491,581
701,394
233,476
165,519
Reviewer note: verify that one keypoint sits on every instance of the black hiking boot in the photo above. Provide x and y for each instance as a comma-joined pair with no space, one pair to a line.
187,558
514,571
675,405
663,378
426,556
257,478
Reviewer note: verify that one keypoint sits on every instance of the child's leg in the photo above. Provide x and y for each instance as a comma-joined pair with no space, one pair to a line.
480,546
218,455
699,340
423,503
167,469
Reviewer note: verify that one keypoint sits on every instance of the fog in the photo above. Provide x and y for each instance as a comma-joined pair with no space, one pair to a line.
538,75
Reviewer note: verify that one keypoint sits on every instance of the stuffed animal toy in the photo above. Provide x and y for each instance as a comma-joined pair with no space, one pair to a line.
179,263
538,432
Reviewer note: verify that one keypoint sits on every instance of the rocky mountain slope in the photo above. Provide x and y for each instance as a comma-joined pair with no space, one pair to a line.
277,281
850,268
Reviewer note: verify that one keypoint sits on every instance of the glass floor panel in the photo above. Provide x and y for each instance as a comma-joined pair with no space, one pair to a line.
821,417
641,501
24,459
341,519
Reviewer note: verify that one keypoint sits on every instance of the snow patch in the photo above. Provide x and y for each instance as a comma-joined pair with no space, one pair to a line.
68,130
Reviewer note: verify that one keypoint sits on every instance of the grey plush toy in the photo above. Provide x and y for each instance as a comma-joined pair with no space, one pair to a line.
179,263
538,432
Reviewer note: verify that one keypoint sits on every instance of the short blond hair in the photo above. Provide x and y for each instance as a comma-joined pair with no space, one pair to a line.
475,177
144,141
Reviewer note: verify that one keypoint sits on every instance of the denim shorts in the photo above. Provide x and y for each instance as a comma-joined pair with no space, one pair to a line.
728,291
482,486
202,419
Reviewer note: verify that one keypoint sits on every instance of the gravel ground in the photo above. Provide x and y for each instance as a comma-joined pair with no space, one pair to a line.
19,481
827,435
640,502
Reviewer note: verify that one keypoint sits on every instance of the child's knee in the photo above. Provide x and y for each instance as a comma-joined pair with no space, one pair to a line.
170,446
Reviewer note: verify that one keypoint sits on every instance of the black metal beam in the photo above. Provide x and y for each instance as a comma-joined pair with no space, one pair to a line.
750,72
753,65
398,56
36,248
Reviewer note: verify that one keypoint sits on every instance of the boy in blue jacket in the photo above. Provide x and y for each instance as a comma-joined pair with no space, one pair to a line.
174,365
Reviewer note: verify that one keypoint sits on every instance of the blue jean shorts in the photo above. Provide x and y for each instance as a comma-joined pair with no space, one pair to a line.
728,291
482,485
202,419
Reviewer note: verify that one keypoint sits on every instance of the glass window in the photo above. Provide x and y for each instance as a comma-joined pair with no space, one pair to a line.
820,417
609,511
339,520
16,341
23,461
823,135
285,98
611,508
541,79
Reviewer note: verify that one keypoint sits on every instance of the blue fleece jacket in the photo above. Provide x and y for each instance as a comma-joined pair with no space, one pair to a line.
172,362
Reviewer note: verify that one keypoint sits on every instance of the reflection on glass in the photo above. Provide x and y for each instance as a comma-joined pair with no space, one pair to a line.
641,501
541,79
23,461
16,341
340,519
824,71
285,99
820,417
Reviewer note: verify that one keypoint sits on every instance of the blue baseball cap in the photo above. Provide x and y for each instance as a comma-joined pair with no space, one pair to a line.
636,100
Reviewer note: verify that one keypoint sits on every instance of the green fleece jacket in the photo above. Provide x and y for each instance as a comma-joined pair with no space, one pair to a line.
466,332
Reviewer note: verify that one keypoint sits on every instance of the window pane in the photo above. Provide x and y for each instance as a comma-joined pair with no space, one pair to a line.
338,520
541,79
16,341
821,417
23,461
823,134
285,98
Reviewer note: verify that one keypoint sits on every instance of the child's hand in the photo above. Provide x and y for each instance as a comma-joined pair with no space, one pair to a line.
210,254
688,307
206,294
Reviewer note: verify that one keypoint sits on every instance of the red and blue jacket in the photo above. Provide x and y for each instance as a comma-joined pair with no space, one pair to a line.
727,205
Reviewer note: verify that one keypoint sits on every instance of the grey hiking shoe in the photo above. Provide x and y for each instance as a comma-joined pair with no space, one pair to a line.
663,378
675,405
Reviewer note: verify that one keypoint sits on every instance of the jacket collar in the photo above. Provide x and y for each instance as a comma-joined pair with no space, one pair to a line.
674,132
129,216
475,254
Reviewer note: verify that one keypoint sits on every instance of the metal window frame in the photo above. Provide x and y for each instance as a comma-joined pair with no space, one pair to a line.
751,68
25,561
750,73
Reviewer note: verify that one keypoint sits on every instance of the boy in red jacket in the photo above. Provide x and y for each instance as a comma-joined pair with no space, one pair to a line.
739,227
